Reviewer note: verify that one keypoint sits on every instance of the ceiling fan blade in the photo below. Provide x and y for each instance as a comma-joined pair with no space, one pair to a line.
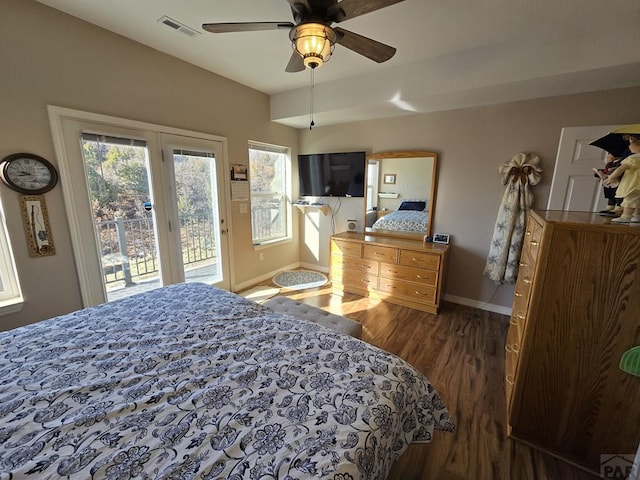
245,26
347,9
296,64
376,51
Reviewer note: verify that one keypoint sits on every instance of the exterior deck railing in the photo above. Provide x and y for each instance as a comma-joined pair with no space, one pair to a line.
129,251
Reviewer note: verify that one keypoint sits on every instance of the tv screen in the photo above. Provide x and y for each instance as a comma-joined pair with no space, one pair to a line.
332,174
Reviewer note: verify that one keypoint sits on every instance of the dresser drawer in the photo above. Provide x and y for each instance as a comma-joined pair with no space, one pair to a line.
353,264
522,292
532,236
382,254
523,283
517,322
512,345
350,249
359,280
399,272
511,363
526,266
413,291
419,260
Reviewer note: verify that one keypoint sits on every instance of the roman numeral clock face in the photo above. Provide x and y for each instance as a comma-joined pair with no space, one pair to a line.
28,174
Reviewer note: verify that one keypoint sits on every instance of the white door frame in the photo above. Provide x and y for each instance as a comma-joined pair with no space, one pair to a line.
75,194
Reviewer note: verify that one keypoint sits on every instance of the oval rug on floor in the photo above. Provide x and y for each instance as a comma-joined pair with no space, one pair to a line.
299,279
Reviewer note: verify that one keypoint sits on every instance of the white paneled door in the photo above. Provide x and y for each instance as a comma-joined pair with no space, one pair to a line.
574,187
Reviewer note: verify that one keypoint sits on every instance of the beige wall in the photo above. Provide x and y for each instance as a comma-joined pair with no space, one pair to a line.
471,144
49,58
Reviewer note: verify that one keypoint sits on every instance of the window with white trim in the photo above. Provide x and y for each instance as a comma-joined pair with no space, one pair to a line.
10,294
269,182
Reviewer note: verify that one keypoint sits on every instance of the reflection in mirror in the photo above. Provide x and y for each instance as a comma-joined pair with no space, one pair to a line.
400,193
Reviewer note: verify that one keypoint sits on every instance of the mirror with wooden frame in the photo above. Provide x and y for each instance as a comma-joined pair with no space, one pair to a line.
400,193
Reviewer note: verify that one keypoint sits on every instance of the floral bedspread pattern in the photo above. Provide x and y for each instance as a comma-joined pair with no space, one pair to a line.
190,381
403,220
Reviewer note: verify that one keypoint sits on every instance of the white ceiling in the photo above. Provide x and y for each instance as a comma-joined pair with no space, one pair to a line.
451,53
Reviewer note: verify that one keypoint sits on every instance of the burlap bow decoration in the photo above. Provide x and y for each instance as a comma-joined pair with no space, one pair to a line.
524,167
504,252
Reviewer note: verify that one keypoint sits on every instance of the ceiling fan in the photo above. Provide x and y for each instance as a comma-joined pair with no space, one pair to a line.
311,33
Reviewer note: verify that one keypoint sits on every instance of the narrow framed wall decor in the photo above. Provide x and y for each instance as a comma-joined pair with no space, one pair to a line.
35,220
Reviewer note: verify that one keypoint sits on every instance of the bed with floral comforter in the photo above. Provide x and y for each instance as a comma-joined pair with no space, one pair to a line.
194,382
403,221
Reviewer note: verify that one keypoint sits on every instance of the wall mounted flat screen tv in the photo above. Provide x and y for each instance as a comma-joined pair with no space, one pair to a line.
332,174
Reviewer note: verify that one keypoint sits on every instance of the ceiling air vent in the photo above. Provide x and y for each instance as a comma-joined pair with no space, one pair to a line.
170,22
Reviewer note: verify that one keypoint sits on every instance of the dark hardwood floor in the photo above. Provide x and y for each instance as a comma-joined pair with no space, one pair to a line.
461,351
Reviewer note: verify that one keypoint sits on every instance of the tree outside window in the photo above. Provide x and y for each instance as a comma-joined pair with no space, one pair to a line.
269,174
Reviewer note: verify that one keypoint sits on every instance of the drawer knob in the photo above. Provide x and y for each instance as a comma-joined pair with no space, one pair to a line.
522,264
512,321
528,232
520,315
509,379
517,294
526,280
535,243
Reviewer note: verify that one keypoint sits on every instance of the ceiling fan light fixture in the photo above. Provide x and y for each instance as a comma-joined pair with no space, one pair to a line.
314,42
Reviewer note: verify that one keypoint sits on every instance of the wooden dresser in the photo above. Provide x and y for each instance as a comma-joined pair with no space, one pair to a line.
402,271
576,311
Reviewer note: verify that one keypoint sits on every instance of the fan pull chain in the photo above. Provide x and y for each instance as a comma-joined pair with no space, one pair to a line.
311,94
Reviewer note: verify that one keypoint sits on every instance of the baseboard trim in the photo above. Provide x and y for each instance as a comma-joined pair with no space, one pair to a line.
313,266
489,307
267,276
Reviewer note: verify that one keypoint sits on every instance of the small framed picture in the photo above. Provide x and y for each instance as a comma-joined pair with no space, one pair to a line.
36,225
390,178
239,172
441,238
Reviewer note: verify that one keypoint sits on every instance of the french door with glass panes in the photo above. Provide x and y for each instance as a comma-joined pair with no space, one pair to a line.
149,208
196,172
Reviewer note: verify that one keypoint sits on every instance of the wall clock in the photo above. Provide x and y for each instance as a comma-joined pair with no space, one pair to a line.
27,173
